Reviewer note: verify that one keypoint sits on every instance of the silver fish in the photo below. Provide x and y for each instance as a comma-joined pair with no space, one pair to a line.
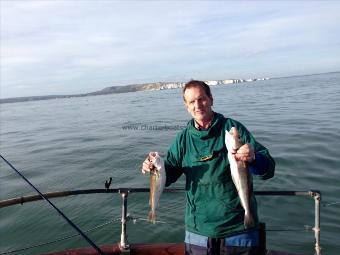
157,183
240,175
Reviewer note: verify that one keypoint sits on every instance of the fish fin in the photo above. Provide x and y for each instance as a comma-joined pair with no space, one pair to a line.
152,216
248,221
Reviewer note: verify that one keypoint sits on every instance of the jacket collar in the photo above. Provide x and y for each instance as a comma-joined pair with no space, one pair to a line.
213,129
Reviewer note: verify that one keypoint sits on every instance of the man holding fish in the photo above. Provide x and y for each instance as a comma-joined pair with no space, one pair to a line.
218,157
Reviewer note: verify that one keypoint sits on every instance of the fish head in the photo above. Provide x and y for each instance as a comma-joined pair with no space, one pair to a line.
156,160
232,140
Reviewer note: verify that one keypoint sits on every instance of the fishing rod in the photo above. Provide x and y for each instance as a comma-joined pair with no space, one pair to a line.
59,211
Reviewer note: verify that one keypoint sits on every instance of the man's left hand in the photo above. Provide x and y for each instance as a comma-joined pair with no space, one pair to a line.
245,153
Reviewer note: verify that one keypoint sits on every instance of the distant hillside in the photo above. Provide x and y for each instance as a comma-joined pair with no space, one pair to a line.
137,87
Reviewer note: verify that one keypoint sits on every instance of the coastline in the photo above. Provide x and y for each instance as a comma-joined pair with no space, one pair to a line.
127,89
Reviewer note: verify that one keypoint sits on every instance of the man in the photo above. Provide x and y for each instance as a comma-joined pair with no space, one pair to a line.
214,217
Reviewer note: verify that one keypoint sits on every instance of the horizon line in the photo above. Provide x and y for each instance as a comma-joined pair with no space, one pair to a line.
89,93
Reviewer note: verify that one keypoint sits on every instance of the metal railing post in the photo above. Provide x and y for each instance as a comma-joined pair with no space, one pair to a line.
317,199
124,245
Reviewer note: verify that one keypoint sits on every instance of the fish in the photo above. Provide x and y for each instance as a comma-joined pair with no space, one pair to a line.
157,183
240,175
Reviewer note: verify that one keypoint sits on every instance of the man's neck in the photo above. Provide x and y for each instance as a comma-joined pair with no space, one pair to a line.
204,124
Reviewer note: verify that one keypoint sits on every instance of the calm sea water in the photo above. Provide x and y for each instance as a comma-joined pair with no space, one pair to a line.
78,143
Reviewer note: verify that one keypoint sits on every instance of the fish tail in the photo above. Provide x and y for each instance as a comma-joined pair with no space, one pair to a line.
152,216
248,220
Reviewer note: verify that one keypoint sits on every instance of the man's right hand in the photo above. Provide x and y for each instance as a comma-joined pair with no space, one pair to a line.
147,165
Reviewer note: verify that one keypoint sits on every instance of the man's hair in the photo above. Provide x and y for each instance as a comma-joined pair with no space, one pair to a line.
196,83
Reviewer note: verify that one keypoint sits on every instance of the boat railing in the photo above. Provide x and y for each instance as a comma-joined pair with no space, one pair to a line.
124,192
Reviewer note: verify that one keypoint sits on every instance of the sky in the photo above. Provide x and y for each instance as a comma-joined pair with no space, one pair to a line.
56,47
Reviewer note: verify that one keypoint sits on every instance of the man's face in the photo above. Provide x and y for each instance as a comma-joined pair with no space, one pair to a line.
198,103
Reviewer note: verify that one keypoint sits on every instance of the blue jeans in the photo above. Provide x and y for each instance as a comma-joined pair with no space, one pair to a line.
242,244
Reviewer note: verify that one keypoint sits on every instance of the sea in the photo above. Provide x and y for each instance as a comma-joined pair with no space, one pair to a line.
79,143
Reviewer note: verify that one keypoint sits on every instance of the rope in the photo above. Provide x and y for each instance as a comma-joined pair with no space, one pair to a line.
58,240
306,228
134,220
329,204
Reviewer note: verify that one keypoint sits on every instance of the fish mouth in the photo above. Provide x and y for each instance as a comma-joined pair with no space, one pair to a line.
153,154
153,157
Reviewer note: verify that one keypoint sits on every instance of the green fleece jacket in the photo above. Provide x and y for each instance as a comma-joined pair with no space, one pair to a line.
213,206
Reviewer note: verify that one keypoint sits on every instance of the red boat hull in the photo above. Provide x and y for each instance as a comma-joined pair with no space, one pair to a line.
140,249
